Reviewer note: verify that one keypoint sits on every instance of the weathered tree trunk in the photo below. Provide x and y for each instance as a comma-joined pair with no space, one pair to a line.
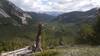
38,39
61,42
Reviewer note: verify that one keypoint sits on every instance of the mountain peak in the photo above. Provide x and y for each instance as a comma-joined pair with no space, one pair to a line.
10,10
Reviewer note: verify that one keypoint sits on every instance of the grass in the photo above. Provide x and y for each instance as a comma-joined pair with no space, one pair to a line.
52,52
72,51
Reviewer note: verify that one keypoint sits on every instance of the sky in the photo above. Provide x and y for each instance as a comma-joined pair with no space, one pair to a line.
56,5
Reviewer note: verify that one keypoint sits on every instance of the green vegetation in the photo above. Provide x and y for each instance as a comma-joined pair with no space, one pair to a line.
56,35
15,37
54,32
52,35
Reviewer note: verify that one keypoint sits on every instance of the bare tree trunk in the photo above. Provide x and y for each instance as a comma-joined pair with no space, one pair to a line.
61,42
38,39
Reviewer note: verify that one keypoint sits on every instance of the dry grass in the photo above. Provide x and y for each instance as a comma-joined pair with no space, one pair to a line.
52,52
73,51
80,51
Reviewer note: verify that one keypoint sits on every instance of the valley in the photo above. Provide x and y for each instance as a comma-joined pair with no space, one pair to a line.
73,33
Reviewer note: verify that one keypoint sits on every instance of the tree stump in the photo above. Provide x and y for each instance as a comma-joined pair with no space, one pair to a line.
38,39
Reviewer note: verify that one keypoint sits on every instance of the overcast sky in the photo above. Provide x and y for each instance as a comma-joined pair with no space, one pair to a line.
56,5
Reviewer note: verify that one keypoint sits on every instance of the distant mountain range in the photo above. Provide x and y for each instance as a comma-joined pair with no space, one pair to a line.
77,16
18,16
54,13
41,17
70,17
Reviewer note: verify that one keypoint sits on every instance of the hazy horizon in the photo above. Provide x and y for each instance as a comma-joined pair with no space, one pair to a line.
56,5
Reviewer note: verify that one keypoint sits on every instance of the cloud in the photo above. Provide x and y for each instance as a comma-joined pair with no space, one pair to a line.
56,5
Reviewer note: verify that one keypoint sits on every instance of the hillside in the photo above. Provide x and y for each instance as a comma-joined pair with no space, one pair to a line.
9,10
41,17
77,17
15,27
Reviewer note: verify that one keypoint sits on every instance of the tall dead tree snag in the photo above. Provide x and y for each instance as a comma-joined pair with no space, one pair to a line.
38,46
